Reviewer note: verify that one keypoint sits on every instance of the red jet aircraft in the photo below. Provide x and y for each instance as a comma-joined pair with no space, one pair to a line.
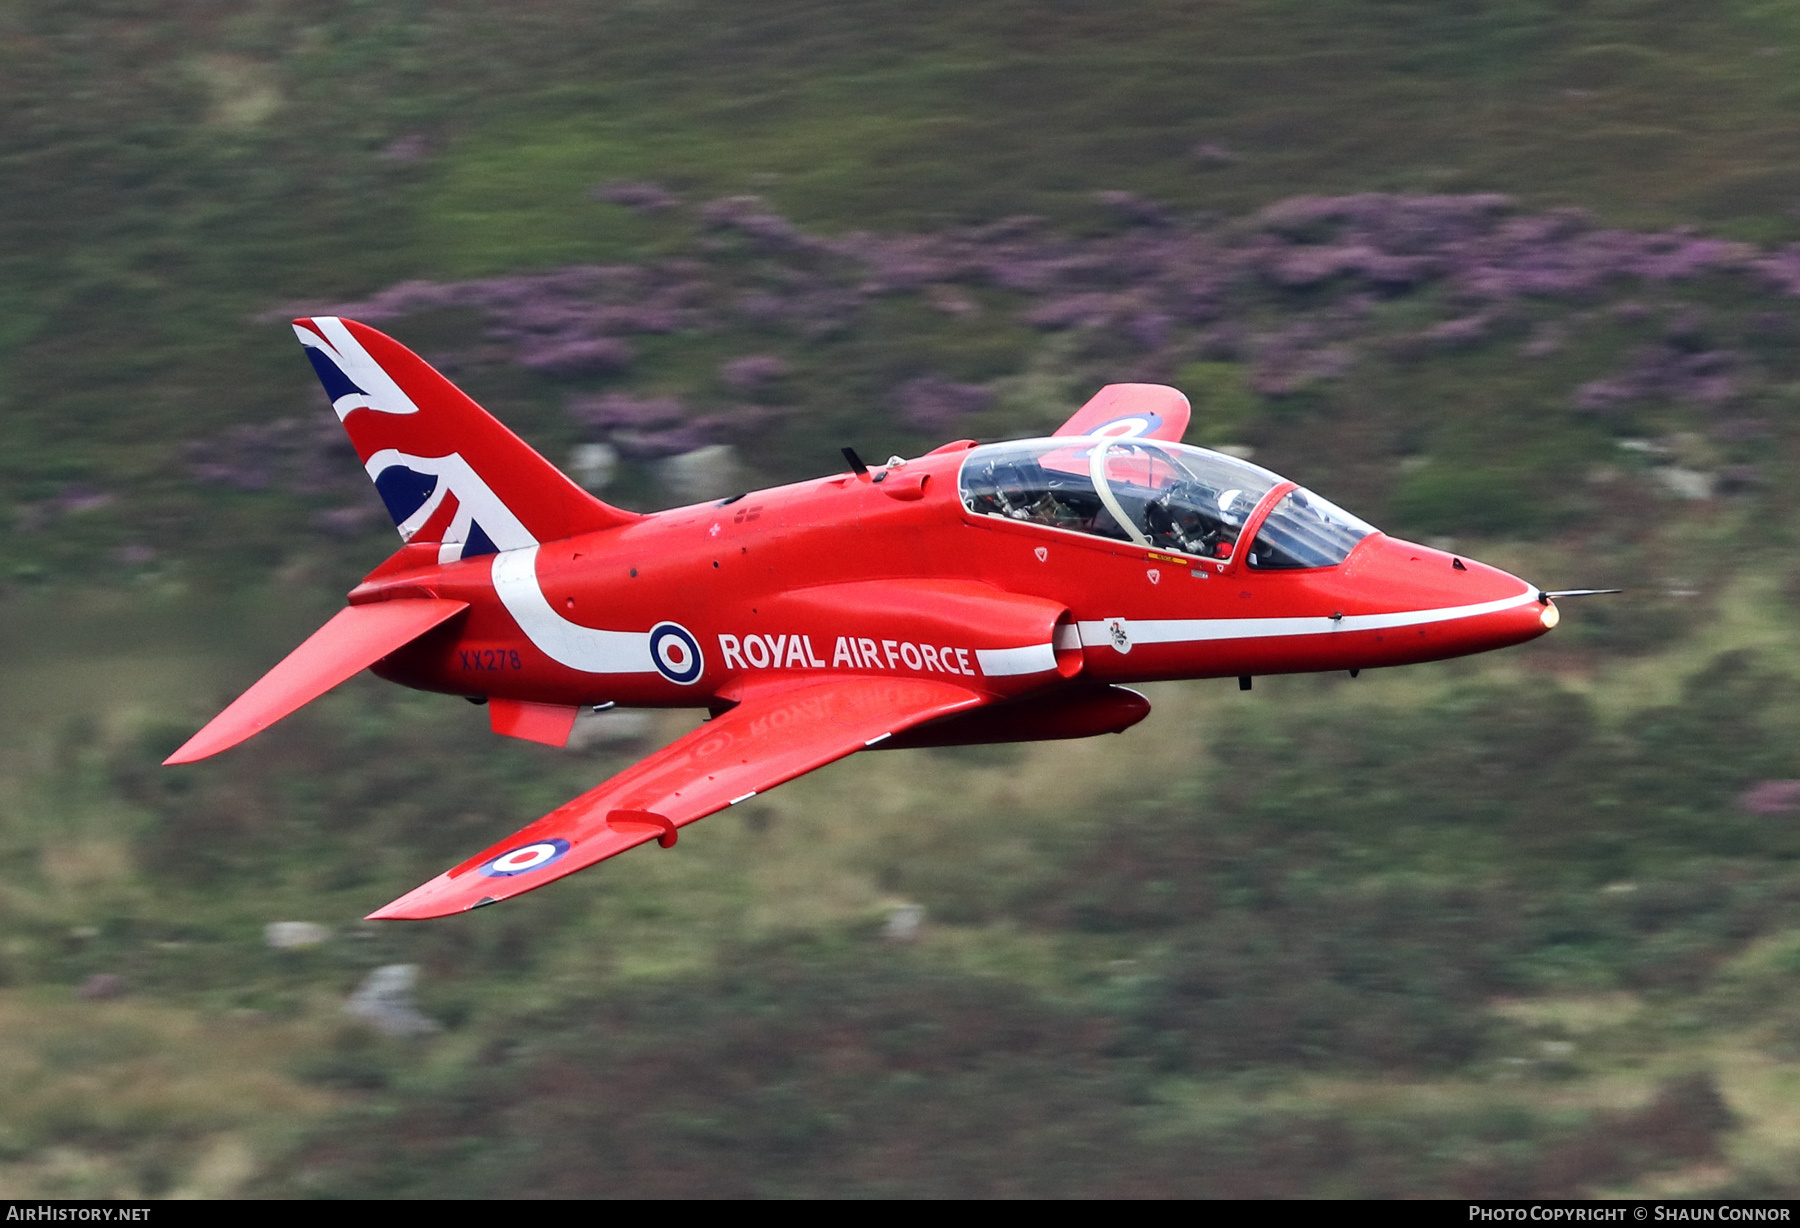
988,593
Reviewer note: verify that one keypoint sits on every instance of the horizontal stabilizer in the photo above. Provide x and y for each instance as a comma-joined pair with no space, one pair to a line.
769,738
356,638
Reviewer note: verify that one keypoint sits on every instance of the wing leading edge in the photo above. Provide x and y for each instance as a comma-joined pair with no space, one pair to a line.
766,740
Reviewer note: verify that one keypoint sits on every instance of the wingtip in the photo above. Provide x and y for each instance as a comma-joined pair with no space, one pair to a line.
190,752
397,910
211,741
423,903
400,911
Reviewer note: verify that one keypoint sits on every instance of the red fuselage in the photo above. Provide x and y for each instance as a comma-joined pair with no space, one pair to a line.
897,576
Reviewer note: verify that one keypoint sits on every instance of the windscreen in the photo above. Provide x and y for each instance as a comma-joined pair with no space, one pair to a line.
1304,530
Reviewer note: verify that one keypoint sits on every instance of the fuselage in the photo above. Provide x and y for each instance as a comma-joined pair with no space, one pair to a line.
895,573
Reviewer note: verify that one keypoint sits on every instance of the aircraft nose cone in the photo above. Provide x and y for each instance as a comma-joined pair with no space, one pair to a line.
1480,607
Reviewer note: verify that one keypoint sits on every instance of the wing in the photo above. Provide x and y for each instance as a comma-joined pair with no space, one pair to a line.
767,739
355,638
1132,411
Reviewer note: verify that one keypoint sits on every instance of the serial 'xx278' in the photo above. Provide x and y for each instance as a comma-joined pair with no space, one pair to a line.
994,593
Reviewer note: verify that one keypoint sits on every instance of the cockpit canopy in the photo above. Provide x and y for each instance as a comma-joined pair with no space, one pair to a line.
1165,496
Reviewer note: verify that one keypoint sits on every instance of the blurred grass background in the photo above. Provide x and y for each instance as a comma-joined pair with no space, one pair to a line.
1523,925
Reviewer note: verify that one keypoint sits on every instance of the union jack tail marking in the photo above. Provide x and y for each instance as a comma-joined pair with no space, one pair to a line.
448,472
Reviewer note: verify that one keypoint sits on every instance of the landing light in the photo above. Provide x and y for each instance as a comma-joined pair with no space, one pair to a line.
1551,616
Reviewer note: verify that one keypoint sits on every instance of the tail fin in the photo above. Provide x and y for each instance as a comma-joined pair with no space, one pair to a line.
447,470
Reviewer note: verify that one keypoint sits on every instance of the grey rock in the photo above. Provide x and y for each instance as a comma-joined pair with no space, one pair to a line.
703,473
594,464
101,986
1685,483
903,922
384,1002
287,935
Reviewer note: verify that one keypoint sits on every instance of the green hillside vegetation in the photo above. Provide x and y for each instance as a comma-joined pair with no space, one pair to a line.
1521,925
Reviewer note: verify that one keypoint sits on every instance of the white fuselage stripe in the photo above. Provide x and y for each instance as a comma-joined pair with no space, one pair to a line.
588,649
1098,634
1006,662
